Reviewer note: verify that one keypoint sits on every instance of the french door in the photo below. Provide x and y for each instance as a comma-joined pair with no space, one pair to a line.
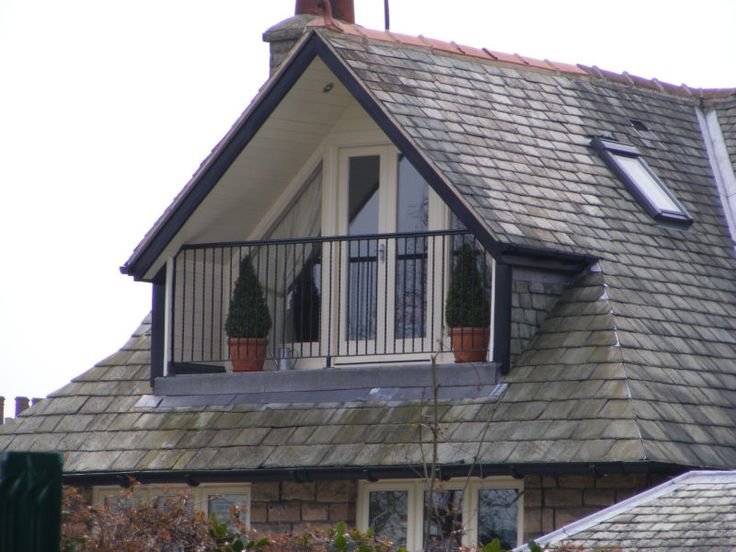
385,208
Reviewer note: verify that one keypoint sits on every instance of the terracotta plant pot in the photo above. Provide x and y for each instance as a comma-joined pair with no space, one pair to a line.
247,353
470,344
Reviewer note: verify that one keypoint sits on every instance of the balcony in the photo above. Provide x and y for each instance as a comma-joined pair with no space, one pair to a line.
330,301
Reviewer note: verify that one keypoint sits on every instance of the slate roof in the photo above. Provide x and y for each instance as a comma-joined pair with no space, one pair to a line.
635,363
649,339
695,511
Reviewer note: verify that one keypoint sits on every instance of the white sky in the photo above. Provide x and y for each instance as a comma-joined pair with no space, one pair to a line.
107,107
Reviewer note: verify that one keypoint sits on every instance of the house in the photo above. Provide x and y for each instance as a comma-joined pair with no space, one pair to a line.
694,511
598,211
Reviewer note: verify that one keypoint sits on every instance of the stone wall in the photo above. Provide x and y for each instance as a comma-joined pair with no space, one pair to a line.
533,295
287,506
551,502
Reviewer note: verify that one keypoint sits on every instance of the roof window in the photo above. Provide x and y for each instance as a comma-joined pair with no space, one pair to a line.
627,163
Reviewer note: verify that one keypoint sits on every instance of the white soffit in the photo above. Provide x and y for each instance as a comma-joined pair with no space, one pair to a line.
268,163
721,165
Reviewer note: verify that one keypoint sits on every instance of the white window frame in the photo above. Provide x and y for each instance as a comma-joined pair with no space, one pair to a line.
415,499
200,494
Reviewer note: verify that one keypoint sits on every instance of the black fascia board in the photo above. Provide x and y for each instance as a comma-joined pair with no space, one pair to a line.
502,293
223,159
608,149
371,473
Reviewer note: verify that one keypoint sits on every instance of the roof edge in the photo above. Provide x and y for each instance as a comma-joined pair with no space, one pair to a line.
586,523
370,473
524,61
221,157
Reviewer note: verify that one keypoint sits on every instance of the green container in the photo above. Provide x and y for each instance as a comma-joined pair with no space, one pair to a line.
30,501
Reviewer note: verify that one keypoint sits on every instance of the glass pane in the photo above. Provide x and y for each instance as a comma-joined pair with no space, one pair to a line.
445,520
304,303
387,515
293,271
411,289
364,175
225,505
363,180
413,201
411,255
646,182
497,516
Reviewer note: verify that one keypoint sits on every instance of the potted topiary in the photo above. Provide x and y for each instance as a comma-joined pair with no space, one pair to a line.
248,321
466,309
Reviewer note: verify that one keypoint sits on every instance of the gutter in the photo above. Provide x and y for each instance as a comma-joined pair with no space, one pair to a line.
366,473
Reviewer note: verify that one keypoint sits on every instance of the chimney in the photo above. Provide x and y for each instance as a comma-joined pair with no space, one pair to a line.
2,410
282,36
21,403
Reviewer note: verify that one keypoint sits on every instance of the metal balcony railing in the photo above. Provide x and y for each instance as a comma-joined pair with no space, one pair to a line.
331,298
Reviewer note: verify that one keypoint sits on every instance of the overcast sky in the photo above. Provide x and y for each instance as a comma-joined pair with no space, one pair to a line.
107,108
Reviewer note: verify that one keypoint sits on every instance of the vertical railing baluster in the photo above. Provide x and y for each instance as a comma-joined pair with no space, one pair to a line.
194,297
204,292
172,329
219,310
386,254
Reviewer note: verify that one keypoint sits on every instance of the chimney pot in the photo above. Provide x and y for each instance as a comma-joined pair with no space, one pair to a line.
21,404
341,9
308,7
344,10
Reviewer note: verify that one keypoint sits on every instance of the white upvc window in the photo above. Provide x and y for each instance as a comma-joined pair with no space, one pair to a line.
210,498
466,512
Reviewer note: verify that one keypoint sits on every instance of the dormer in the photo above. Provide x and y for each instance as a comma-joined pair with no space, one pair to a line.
358,244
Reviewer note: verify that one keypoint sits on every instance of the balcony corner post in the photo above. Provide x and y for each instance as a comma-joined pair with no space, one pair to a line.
502,316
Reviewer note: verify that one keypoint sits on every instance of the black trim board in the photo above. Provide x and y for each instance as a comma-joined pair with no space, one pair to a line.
502,298
158,325
372,473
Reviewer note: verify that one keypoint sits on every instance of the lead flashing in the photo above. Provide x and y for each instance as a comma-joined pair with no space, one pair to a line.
721,165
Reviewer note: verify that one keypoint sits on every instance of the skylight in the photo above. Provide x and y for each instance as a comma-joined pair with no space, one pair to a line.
639,178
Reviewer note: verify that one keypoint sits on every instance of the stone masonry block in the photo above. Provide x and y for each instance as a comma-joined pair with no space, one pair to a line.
563,516
537,522
532,497
549,482
265,492
314,512
599,497
284,511
298,491
576,481
336,491
563,497
258,513
634,481
342,512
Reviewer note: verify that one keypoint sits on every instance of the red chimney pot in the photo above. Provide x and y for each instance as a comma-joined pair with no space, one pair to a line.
344,10
341,9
